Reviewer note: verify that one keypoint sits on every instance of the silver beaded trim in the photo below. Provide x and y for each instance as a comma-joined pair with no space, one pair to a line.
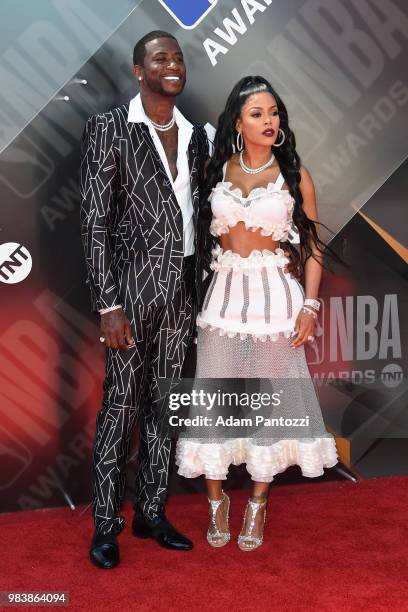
210,291
267,293
245,290
287,291
227,294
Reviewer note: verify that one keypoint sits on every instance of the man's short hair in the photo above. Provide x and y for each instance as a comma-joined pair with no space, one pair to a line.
139,51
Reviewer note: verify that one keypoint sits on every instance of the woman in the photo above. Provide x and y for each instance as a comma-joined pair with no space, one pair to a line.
256,318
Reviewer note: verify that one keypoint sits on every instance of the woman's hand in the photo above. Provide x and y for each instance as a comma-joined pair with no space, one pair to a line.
304,328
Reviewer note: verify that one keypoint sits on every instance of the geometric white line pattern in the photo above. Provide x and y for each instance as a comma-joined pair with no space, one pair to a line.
132,225
131,389
132,232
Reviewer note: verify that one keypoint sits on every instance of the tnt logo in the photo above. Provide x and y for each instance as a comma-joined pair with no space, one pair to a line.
188,13
392,375
15,263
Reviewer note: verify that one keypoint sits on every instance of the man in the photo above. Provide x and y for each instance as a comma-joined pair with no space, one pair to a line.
141,170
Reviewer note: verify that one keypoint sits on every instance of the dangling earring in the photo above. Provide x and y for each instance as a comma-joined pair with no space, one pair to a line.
283,139
140,78
240,142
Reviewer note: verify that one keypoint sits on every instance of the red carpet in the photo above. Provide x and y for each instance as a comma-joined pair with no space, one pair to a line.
333,546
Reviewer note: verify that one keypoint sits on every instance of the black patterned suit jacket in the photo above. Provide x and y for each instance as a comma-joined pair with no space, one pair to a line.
132,226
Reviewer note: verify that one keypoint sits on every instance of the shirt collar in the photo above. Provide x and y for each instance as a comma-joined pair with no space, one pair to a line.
137,114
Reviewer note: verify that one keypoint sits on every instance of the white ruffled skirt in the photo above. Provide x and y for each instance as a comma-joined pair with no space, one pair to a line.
244,328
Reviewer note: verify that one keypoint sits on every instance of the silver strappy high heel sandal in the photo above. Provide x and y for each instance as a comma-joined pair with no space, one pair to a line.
248,541
215,537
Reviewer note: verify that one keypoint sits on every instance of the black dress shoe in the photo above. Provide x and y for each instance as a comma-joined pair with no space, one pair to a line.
104,551
161,530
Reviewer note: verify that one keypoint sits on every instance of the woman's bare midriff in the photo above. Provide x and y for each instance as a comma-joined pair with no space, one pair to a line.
242,241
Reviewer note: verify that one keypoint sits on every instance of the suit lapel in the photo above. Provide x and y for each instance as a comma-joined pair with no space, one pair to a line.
193,162
152,148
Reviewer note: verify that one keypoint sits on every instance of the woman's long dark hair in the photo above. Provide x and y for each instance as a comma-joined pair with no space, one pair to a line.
289,162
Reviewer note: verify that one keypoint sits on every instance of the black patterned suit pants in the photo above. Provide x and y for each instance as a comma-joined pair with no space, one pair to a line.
133,389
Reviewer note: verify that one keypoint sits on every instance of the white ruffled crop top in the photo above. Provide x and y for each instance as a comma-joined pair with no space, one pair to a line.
266,208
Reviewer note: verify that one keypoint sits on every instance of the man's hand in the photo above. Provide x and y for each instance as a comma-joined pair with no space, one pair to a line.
116,330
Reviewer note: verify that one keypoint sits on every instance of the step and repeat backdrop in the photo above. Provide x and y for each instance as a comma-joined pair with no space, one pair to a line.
340,66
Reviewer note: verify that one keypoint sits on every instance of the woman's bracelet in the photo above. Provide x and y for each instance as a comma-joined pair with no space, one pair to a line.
309,311
315,304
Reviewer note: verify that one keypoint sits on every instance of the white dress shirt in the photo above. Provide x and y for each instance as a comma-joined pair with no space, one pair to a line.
181,186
